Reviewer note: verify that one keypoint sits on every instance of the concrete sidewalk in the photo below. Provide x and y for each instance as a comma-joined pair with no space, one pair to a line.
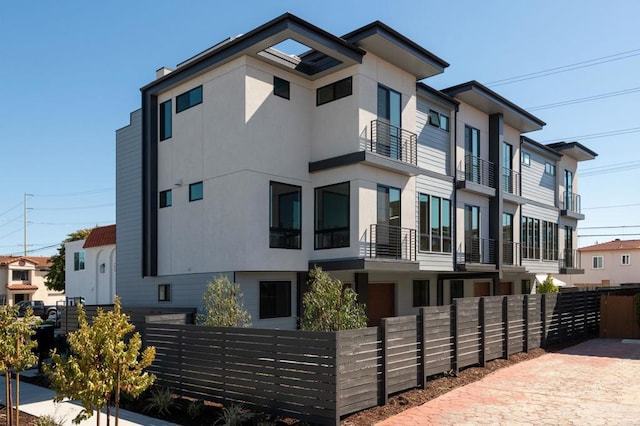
593,383
38,401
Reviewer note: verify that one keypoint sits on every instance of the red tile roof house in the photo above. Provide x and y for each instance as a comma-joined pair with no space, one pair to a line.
22,278
90,267
613,263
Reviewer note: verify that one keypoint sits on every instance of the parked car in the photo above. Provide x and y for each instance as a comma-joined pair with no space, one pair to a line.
39,308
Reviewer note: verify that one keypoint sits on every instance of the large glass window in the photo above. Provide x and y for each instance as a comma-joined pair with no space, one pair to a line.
420,293
472,152
434,224
423,223
165,198
388,234
508,254
78,261
332,216
334,91
549,240
388,132
472,233
275,299
189,99
446,225
284,215
195,191
20,275
165,120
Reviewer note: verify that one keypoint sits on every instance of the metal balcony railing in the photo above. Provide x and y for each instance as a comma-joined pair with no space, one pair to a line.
570,201
570,259
478,171
392,242
511,182
479,250
393,142
511,253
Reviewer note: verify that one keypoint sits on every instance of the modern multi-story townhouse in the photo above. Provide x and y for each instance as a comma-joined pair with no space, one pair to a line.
258,164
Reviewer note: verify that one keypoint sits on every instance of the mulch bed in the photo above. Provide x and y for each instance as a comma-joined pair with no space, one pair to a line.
25,419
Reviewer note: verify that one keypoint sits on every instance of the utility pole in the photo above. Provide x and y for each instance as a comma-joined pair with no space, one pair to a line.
25,221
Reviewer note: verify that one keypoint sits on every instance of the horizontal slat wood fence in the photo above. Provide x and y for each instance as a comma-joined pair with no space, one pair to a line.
320,377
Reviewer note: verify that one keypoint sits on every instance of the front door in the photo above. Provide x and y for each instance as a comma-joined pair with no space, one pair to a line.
381,302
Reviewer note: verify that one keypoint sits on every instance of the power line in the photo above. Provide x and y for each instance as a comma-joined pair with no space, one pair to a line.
12,208
609,227
566,68
610,207
609,235
75,208
585,99
611,169
10,221
74,194
597,135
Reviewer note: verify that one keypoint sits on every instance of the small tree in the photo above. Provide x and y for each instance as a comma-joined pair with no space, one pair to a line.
103,362
222,305
328,306
547,286
54,280
16,351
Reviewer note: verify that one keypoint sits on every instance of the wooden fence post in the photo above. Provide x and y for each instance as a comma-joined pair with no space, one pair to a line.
483,332
585,318
526,322
573,316
385,363
455,321
423,352
505,317
336,372
543,308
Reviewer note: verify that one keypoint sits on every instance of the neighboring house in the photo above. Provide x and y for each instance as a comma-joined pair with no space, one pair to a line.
613,263
90,267
259,164
22,278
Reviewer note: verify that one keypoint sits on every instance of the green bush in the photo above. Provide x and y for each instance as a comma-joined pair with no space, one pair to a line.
222,305
160,402
547,286
234,415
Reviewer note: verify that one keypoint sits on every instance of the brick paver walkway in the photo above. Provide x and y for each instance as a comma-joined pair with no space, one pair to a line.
594,383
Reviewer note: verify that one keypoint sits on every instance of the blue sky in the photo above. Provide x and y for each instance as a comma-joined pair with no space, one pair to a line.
71,71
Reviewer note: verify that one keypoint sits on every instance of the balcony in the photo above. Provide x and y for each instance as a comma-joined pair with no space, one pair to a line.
511,253
570,205
393,142
479,255
570,262
477,176
391,242
512,185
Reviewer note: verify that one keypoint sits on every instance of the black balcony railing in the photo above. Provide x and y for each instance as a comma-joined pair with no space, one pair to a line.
511,253
511,181
570,201
570,259
478,171
479,250
393,142
392,242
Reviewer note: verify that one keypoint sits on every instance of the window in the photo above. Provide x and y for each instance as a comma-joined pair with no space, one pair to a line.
626,259
165,198
284,215
195,191
281,87
550,169
334,91
439,120
549,240
275,299
78,261
103,268
189,99
164,292
472,166
508,255
597,262
525,158
20,275
434,224
530,238
526,287
457,289
420,293
332,216
165,120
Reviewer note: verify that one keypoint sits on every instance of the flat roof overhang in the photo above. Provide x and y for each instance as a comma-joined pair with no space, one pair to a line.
488,101
574,150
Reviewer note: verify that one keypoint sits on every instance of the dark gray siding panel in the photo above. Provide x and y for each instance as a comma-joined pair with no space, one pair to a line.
434,144
536,185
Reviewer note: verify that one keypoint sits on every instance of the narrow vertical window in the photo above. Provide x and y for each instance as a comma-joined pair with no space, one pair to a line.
195,191
420,293
165,198
436,242
332,216
424,222
284,215
446,226
164,292
281,87
165,120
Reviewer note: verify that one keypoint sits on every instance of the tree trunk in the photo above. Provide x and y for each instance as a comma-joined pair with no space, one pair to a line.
17,399
6,397
118,397
9,409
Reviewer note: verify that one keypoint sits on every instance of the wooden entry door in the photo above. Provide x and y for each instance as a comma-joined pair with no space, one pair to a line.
482,289
505,289
381,302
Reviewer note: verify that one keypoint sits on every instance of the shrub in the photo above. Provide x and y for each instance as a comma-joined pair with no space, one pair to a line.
234,415
328,306
222,305
194,408
547,286
160,402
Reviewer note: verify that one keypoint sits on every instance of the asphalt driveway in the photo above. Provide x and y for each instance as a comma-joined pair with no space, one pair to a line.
593,383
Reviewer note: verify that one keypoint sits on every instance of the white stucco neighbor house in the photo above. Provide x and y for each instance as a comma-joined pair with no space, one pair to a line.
23,277
90,267
259,162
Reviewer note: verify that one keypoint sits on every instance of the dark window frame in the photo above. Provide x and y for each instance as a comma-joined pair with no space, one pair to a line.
182,105
458,285
279,90
421,293
21,274
191,188
439,122
284,233
549,168
166,117
165,198
278,290
164,292
333,91
424,240
343,230
79,261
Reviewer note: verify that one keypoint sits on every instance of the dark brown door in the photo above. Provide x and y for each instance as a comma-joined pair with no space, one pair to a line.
381,302
505,288
482,289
